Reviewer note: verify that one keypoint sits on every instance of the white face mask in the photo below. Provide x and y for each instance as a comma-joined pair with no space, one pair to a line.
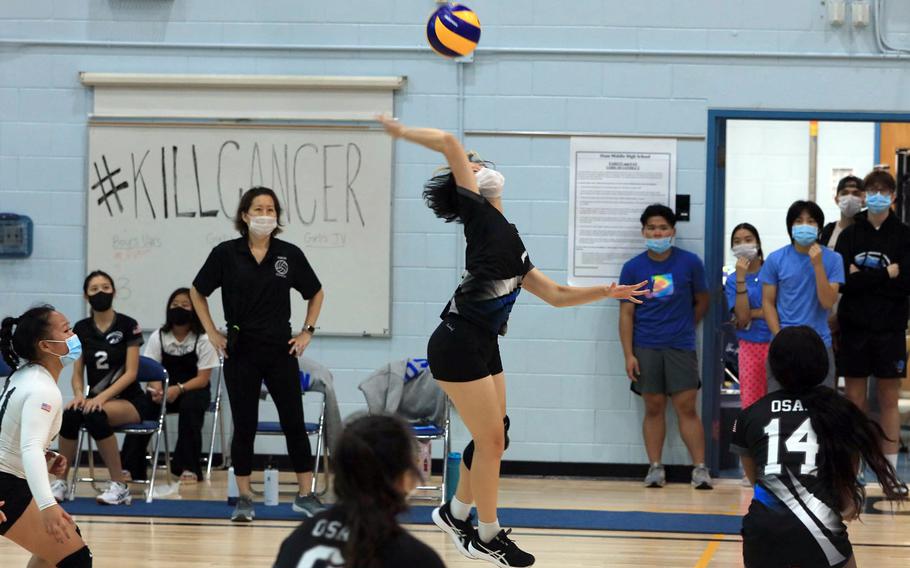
490,182
850,205
262,226
746,250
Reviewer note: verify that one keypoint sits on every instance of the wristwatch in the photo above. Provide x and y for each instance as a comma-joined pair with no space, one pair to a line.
309,329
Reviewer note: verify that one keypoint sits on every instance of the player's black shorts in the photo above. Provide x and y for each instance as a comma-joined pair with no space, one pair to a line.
778,539
460,351
882,354
14,490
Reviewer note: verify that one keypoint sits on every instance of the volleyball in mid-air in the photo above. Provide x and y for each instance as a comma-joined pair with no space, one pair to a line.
453,30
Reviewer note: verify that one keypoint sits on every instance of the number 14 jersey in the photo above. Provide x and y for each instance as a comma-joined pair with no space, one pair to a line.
777,434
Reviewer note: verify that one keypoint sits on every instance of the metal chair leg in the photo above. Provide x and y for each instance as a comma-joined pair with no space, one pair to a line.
76,463
320,447
215,417
151,491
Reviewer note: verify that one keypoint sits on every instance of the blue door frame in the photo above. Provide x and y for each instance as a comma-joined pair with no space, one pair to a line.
715,241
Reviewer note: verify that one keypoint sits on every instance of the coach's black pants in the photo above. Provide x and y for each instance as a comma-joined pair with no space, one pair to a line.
245,369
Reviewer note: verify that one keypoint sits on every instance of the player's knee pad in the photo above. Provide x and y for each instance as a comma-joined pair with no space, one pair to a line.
468,455
70,423
98,425
82,558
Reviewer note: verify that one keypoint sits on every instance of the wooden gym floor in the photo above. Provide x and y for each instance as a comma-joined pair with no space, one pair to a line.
880,540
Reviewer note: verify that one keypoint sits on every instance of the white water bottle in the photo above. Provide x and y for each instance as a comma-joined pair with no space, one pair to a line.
271,486
232,491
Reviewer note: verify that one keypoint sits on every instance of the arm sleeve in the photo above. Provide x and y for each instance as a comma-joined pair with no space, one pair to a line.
834,267
38,412
205,354
627,276
134,334
209,277
305,280
153,347
768,274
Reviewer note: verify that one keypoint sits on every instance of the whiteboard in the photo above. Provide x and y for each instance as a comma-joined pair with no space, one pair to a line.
162,195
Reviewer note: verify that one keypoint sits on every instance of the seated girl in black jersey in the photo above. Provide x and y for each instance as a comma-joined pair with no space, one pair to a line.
464,350
185,351
110,361
36,345
800,447
375,471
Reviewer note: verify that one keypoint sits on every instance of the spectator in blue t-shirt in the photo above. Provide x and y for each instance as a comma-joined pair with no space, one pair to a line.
658,341
801,281
744,293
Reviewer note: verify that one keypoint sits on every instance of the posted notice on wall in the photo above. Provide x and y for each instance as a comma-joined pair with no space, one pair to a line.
611,181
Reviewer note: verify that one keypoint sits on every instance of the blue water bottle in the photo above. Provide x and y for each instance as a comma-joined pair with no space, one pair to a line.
453,474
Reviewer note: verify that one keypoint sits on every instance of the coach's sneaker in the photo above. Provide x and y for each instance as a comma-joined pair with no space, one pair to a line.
461,532
656,477
243,510
308,505
58,488
116,494
701,478
501,551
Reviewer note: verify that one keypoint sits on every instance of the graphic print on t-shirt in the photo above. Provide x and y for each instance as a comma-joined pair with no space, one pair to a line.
872,260
662,285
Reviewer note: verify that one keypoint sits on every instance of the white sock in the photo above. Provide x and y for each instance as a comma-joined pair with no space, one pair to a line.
488,531
460,511
892,459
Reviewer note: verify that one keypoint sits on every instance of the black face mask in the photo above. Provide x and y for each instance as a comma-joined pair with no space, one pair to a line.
101,302
179,316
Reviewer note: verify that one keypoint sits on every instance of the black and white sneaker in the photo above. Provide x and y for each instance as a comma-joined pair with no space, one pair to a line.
461,532
501,551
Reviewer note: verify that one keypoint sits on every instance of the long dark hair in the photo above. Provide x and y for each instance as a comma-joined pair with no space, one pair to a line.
246,201
799,360
370,458
19,336
439,192
195,324
749,227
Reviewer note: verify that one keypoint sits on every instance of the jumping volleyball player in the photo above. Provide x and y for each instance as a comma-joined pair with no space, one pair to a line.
464,350
30,414
800,447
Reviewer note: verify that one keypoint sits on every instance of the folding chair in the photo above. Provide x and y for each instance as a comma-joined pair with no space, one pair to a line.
149,371
217,424
428,433
269,428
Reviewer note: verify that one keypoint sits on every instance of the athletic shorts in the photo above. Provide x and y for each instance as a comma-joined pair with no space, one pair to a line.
461,351
665,371
882,354
777,539
14,490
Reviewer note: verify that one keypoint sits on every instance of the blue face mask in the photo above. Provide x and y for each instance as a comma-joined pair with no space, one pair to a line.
878,203
804,235
659,246
73,346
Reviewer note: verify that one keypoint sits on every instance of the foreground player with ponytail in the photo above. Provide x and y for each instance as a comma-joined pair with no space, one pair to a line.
375,470
800,447
36,345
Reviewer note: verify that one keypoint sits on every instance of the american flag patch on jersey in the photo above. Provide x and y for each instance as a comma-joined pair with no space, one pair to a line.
46,407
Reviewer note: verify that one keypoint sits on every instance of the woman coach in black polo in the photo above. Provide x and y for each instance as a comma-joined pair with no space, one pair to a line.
256,273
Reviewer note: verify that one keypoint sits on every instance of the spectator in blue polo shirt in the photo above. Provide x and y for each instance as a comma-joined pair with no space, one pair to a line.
658,341
801,281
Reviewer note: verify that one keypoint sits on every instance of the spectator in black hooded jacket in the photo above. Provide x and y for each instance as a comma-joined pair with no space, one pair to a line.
874,307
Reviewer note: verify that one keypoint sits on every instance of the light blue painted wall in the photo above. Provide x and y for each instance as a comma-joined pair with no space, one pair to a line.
567,394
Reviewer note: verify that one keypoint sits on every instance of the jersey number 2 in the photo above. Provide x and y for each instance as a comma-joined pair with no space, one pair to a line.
101,361
802,441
